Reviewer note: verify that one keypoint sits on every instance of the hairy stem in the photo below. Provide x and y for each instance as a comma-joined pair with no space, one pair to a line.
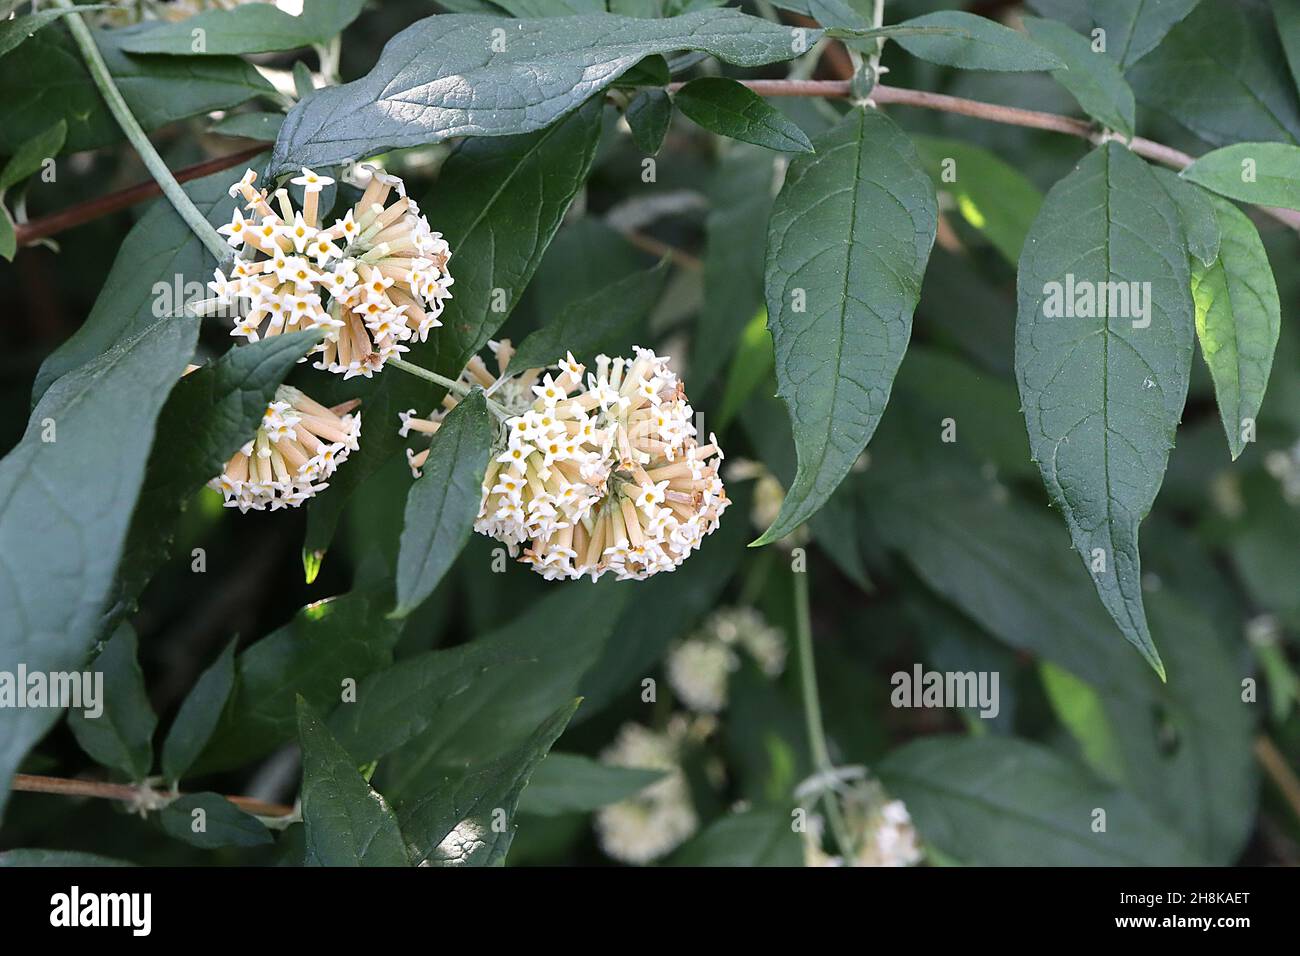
459,389
135,133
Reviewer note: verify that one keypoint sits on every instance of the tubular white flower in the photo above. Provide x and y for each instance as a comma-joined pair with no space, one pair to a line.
699,668
298,445
593,475
374,280
881,829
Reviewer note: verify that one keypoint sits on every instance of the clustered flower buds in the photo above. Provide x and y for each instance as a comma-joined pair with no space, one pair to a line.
880,828
375,279
593,471
298,445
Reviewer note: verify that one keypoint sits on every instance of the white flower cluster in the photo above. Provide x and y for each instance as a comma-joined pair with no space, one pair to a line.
374,280
594,471
880,828
298,445
699,668
659,818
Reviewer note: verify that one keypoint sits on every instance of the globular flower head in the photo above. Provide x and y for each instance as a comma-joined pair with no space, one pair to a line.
374,280
593,471
880,829
298,445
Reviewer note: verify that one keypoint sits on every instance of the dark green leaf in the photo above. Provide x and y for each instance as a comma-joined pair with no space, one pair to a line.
648,116
469,820
347,823
499,203
59,858
251,28
652,71
728,108
210,821
749,838
67,530
45,80
8,240
31,155
134,297
1104,392
991,195
260,126
121,736
740,194
441,77
211,413
571,783
1238,318
1200,223
1222,74
1266,174
14,32
1092,78
977,43
1287,15
443,501
847,246
997,801
475,701
198,716
604,322
1135,27
327,643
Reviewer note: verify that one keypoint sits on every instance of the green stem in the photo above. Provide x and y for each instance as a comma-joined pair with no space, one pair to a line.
459,389
812,712
135,133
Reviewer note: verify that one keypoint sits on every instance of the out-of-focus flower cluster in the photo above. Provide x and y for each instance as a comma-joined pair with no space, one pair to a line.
594,471
662,816
1285,467
373,280
699,667
298,445
880,828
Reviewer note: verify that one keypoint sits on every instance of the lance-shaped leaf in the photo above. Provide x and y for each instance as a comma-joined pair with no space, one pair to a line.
443,501
209,821
31,155
1103,355
469,820
728,108
198,716
465,75
133,297
45,79
648,116
60,534
1135,27
1092,78
571,783
120,735
1195,210
346,822
1266,174
252,28
847,246
1238,319
998,801
605,321
1221,73
499,203
749,838
975,43
211,413
1287,15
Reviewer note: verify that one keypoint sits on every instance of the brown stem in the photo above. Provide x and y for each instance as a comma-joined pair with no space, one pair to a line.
993,113
32,783
27,232
1279,771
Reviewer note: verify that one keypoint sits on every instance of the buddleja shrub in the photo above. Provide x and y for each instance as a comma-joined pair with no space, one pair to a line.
906,362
